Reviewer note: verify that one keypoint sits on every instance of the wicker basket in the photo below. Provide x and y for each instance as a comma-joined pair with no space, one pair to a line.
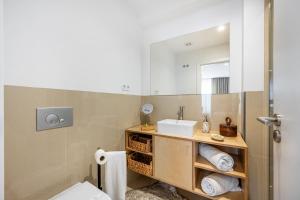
140,143
140,163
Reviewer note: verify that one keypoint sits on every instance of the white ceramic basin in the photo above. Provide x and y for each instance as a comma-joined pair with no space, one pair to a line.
175,127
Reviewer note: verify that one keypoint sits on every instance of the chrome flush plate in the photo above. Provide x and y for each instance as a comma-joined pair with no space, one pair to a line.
53,117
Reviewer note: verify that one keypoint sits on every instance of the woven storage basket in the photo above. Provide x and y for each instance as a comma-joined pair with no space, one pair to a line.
140,163
140,143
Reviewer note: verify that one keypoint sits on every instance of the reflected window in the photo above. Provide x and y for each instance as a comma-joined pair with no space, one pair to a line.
206,104
215,78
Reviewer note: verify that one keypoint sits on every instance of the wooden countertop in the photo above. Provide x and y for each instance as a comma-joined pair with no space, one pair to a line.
235,142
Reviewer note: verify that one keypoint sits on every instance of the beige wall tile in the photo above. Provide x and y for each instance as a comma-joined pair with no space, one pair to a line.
41,164
257,138
221,107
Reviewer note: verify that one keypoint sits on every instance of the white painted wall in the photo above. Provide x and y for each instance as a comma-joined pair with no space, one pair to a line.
1,105
164,73
253,75
230,11
88,45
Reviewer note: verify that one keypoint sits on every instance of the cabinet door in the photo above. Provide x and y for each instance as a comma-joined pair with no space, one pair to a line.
173,161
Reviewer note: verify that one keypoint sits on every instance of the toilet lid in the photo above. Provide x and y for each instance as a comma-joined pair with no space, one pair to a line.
82,191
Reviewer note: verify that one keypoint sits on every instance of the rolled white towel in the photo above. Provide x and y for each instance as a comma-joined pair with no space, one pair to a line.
223,161
217,184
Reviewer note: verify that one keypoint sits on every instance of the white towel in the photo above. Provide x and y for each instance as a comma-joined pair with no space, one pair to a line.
223,161
116,175
217,184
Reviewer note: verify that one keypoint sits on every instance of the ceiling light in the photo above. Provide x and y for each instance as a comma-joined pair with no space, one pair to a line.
188,44
221,28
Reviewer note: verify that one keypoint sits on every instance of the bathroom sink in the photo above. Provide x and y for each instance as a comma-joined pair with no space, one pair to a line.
184,128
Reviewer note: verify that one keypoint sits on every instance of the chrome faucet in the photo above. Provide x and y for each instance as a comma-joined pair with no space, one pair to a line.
180,113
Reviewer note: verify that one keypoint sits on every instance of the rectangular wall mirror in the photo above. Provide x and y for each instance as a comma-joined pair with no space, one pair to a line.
196,63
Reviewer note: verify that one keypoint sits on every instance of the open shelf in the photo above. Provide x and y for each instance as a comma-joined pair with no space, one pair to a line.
238,172
131,149
227,196
140,163
144,147
139,172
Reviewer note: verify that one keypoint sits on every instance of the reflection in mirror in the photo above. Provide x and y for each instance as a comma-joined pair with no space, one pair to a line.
214,78
196,63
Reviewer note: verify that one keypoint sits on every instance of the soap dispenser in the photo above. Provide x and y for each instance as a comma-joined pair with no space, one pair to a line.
205,125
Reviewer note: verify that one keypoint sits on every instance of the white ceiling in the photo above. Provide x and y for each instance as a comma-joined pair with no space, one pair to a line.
150,12
199,40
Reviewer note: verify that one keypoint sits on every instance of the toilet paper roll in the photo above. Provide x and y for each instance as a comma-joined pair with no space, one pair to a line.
100,157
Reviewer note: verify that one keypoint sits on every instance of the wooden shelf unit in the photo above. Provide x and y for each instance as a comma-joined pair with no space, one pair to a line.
130,150
238,171
199,165
203,167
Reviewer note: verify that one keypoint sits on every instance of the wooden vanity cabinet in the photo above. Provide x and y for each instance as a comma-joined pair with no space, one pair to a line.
172,162
175,160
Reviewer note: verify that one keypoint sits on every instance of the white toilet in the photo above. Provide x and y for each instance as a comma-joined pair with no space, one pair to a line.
81,191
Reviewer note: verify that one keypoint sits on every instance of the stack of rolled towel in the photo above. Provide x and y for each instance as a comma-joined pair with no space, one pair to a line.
217,184
221,160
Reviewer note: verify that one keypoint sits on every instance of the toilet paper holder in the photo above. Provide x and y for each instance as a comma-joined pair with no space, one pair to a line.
99,173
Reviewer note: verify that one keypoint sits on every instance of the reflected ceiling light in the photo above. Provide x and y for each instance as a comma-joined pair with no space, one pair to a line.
221,28
188,44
